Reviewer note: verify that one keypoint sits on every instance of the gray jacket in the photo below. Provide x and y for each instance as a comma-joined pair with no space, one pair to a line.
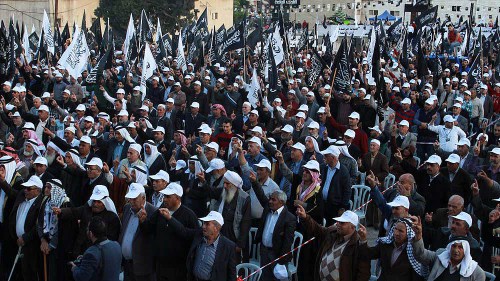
427,257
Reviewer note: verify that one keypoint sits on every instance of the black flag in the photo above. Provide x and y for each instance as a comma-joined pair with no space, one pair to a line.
202,21
422,69
426,17
84,23
317,66
145,32
272,71
64,35
404,54
97,71
96,30
475,72
342,78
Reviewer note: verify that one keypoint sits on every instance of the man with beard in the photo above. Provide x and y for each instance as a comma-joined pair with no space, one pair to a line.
99,205
133,160
171,248
234,205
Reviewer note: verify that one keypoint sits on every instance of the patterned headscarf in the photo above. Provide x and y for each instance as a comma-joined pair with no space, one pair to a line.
304,193
419,268
221,107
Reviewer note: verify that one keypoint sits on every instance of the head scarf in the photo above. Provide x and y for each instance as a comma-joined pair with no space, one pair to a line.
467,266
37,141
230,150
150,159
343,149
108,204
141,174
124,133
75,155
419,268
316,147
36,148
304,193
57,198
10,170
55,147
9,151
221,107
183,138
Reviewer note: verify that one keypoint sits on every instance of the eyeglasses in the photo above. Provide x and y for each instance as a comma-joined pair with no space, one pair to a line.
91,169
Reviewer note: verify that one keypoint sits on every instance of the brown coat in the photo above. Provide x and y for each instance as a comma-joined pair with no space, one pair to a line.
352,266
380,166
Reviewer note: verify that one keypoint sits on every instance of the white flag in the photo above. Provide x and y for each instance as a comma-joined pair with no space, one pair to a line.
26,45
369,56
129,36
76,56
33,29
181,60
253,93
277,46
148,67
47,33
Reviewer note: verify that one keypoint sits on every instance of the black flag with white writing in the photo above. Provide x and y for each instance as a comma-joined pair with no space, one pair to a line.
341,65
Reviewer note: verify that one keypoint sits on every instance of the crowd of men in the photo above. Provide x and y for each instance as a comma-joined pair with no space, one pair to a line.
98,179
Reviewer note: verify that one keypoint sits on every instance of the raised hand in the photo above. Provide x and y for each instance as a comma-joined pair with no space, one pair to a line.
362,232
301,212
428,217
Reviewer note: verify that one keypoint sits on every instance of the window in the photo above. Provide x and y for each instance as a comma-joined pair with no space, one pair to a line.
466,8
491,17
489,9
479,16
215,16
454,8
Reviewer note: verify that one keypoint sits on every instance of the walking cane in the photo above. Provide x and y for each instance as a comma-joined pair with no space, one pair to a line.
45,267
15,262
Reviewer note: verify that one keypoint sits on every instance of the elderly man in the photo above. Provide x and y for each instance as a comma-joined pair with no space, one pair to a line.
360,139
406,191
40,166
95,177
211,256
234,205
454,263
134,241
276,227
294,164
160,182
99,205
336,185
459,178
170,247
395,253
374,161
133,160
23,221
338,257
431,184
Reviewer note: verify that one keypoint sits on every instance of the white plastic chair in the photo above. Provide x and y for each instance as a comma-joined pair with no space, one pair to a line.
294,264
389,180
247,269
254,248
362,177
489,276
361,195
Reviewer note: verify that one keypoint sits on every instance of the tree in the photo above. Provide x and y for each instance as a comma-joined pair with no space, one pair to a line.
173,14
240,8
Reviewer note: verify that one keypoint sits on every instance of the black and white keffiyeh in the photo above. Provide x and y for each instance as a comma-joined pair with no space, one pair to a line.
421,269
57,198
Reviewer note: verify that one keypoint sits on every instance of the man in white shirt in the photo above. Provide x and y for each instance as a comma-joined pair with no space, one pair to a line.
449,134
23,219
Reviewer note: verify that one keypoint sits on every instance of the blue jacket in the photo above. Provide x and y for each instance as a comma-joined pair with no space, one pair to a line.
106,254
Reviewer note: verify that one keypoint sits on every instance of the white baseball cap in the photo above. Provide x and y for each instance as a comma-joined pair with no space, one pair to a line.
448,118
134,190
463,216
170,100
159,129
43,107
453,158
354,115
214,146
321,110
434,159
180,164
215,164
376,141
86,139
304,107
161,175
88,119
173,188
333,150
257,129
214,216
312,165
404,123
46,95
406,101
300,114
256,140
99,192
464,141
400,201
299,146
264,163
375,128
288,128
313,125
496,150
350,133
33,181
95,162
41,160
348,216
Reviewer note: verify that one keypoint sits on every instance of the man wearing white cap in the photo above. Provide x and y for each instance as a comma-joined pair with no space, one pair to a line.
40,166
99,205
424,118
374,161
178,96
120,95
171,248
155,92
160,182
242,118
117,147
338,257
233,99
335,184
199,97
360,139
22,224
95,177
134,240
448,134
460,120
459,178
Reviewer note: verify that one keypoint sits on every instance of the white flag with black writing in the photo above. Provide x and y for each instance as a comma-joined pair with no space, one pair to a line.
369,56
26,45
277,45
75,58
129,36
148,67
181,59
48,36
253,92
